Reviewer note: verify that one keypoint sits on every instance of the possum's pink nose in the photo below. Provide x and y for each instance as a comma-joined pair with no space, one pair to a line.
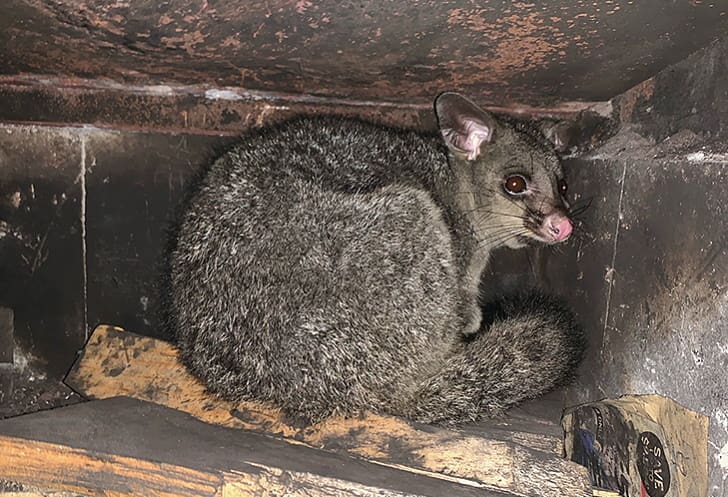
558,227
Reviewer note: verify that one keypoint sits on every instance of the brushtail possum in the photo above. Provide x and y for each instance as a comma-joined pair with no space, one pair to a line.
331,266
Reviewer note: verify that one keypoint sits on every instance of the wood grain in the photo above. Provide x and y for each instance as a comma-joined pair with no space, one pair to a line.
124,447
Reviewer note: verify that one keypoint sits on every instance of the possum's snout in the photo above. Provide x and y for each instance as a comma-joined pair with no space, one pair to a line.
556,227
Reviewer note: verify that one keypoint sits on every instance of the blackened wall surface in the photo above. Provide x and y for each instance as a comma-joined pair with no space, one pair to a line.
84,213
690,95
649,278
134,181
41,239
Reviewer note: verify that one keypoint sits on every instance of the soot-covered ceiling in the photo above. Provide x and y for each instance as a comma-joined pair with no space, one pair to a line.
502,53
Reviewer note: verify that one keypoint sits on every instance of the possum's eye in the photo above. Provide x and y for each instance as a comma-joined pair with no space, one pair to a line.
563,187
515,185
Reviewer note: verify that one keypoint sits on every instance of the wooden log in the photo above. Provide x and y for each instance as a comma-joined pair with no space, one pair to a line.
127,447
38,493
115,362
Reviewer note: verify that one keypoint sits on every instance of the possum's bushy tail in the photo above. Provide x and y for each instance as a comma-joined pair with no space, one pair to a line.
527,346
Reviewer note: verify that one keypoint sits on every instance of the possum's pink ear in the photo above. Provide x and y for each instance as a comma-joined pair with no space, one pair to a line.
463,125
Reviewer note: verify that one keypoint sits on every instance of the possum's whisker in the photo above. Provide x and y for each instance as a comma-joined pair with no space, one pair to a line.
505,236
497,213
580,207
484,208
498,232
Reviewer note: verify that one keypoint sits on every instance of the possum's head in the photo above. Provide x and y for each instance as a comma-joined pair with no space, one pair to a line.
510,182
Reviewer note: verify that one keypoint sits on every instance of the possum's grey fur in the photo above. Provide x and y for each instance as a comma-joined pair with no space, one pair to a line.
331,266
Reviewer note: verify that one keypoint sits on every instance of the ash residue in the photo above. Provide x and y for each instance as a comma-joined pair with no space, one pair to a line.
24,388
